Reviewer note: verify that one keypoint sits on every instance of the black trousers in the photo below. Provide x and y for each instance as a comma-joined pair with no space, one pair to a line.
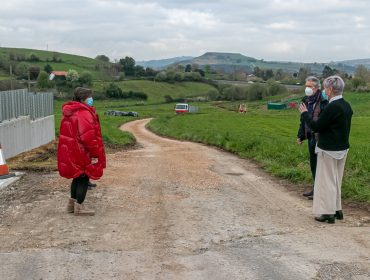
313,157
79,188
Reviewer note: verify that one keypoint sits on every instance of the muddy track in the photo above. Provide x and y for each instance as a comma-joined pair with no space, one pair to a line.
176,210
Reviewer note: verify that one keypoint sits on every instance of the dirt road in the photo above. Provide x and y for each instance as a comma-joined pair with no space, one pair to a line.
176,210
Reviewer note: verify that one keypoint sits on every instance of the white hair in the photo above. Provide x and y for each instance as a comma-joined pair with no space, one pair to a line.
336,83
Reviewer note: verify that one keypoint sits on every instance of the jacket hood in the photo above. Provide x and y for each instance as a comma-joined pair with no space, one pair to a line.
71,107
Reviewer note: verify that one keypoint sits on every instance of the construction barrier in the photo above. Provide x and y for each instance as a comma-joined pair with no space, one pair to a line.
4,170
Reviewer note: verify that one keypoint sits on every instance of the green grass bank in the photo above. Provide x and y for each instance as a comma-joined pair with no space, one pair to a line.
269,137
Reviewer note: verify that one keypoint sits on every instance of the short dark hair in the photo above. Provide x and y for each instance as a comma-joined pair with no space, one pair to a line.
82,94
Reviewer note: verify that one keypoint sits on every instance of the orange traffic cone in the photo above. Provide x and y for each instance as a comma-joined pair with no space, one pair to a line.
4,170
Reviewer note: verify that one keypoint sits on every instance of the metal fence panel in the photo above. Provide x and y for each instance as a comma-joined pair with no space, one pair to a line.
16,103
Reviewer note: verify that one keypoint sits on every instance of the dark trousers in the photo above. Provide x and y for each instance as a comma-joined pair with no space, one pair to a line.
313,157
79,188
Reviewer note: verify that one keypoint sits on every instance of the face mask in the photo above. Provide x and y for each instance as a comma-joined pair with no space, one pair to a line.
90,101
324,96
308,91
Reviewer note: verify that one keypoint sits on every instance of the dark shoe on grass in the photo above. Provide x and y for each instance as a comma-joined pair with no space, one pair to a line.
326,218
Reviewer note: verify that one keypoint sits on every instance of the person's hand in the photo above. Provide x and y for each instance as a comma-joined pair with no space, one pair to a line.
302,108
299,141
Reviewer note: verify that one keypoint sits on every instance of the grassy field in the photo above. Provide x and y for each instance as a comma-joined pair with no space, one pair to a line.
269,137
157,90
68,61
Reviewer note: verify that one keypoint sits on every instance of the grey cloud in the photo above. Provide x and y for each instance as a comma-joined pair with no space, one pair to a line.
270,29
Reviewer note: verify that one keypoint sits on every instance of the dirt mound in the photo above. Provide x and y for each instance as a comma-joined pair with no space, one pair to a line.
42,159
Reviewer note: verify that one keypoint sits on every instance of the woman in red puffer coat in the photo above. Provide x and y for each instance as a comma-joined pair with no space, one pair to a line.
81,152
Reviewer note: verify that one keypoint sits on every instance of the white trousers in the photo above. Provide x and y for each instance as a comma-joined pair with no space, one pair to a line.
328,184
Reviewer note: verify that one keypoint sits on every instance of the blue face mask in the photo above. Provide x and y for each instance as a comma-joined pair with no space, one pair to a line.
90,101
324,96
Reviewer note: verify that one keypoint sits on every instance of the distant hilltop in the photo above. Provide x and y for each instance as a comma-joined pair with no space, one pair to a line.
230,62
162,63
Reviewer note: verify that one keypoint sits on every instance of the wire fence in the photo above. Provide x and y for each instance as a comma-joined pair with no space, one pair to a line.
16,103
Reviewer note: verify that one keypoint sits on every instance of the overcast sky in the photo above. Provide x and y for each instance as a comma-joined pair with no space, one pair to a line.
286,30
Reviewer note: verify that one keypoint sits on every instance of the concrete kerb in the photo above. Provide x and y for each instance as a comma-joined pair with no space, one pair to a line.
9,181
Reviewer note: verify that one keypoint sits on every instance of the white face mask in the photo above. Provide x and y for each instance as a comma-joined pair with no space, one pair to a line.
308,91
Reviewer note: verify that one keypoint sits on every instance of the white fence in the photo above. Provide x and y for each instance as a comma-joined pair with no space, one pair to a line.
15,103
26,121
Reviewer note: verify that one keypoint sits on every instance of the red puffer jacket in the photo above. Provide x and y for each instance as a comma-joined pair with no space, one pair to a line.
80,140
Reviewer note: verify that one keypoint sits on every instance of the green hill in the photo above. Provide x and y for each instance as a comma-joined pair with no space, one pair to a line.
162,63
229,62
355,62
156,91
58,61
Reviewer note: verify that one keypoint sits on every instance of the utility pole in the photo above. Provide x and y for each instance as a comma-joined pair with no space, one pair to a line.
11,76
29,80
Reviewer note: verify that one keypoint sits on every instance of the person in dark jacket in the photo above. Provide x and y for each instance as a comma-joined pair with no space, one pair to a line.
333,126
81,154
315,102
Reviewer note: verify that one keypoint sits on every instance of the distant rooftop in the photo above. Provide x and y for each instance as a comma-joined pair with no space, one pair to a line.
59,73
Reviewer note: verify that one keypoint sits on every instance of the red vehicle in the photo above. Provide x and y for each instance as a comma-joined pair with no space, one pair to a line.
181,108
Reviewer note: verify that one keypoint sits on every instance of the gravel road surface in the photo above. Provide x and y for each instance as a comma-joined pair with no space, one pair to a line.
176,210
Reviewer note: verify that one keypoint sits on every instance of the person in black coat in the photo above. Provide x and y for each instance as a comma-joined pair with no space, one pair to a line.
315,102
333,126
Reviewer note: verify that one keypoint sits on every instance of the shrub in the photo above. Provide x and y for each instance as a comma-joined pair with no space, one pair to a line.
137,95
357,81
86,78
21,70
113,91
195,76
257,92
234,93
276,88
213,94
4,62
33,58
362,89
161,76
121,76
48,69
72,75
168,99
34,72
43,80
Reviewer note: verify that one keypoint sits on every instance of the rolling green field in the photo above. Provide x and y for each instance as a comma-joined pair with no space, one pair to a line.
269,137
157,90
68,61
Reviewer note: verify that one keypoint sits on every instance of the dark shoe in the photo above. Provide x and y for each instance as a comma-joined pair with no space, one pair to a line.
326,218
339,215
90,185
307,194
310,197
